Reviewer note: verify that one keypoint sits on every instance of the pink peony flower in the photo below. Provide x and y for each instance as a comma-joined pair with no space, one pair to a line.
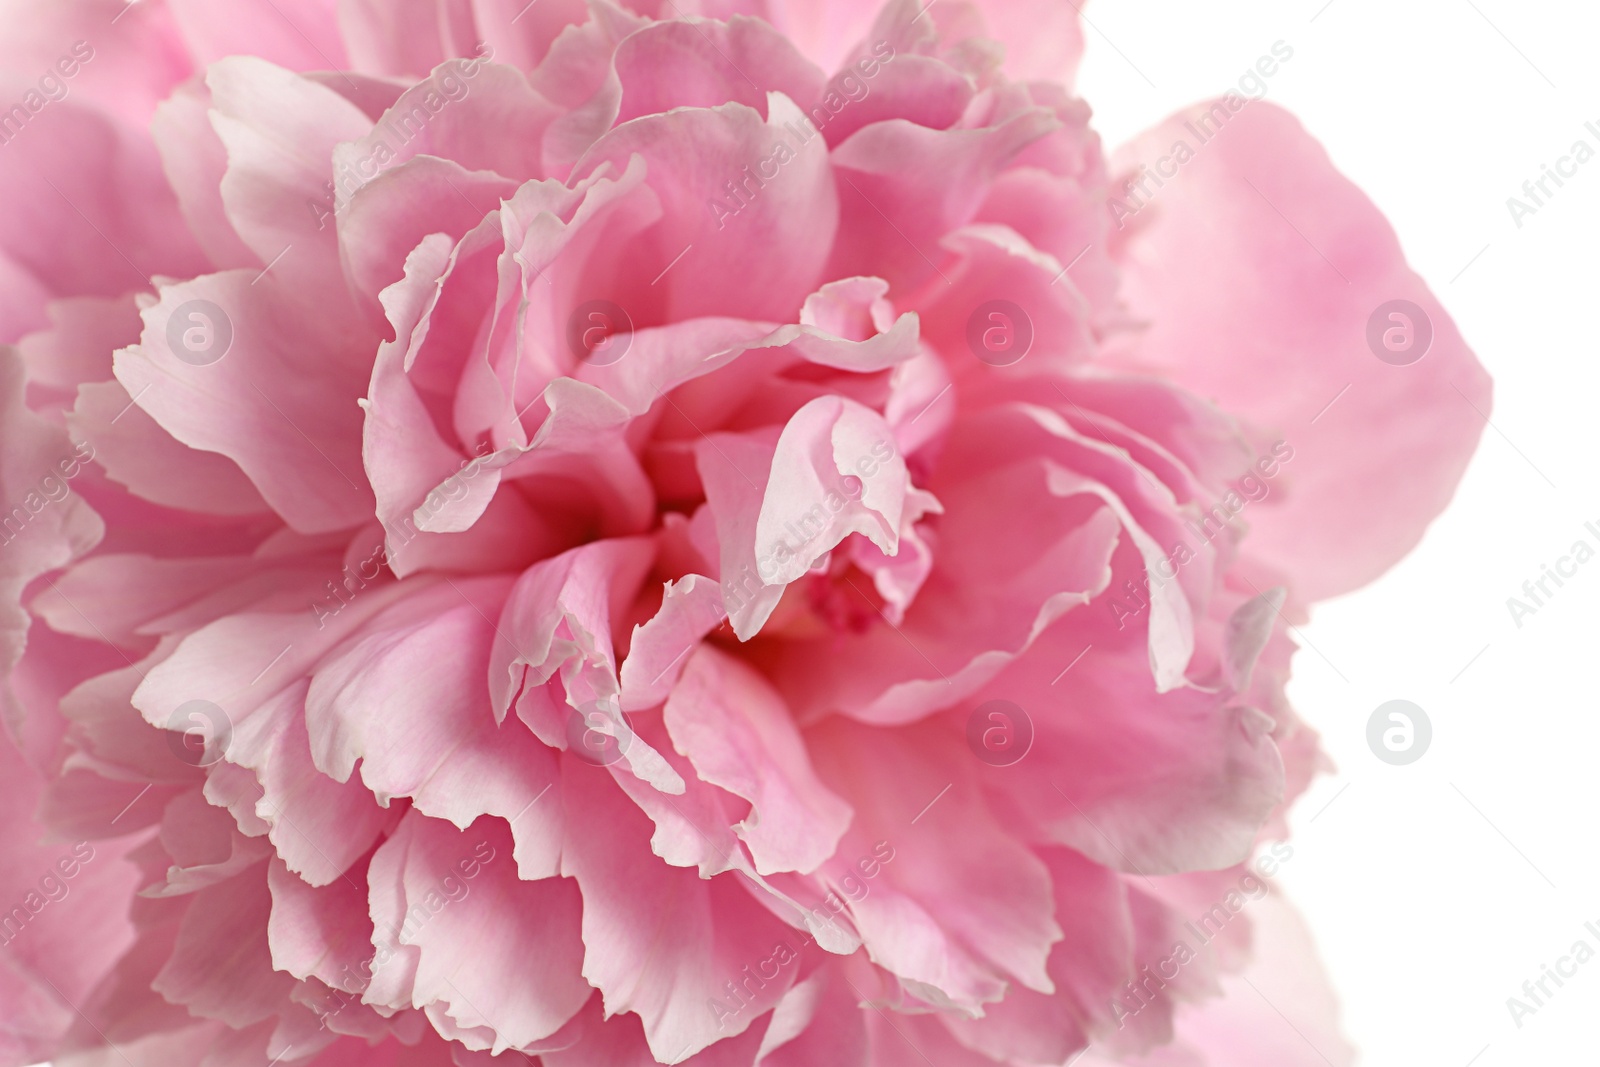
639,534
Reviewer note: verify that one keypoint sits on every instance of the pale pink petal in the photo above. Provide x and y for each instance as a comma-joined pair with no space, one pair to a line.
221,967
90,169
205,846
553,659
279,131
1042,40
903,187
136,452
681,64
877,84
659,649
577,72
296,437
66,917
1278,1011
659,941
319,826
433,736
837,455
520,35
322,932
463,921
195,162
737,732
951,905
125,73
411,465
482,115
726,268
818,1021
1183,783
1089,966
299,34
823,30
1013,557
1294,224
45,526
76,347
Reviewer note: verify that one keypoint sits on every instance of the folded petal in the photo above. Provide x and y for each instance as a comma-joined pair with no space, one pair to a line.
448,907
279,400
956,930
733,186
736,731
46,525
681,64
659,941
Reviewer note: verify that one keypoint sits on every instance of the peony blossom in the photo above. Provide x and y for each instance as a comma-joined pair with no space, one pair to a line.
609,533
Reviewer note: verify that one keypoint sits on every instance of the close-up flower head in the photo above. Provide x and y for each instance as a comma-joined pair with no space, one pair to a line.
610,533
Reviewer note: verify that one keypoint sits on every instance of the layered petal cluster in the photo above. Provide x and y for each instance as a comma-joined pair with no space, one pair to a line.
607,534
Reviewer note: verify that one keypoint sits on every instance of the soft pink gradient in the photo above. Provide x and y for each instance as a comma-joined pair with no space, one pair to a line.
416,550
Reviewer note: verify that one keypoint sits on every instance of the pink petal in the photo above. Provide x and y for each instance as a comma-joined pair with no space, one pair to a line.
1279,1011
45,526
221,967
278,402
823,29
205,847
681,64
299,34
659,649
818,1021
463,919
554,658
1012,558
323,931
66,918
659,941
738,734
195,162
124,74
81,167
481,115
578,73
136,452
1180,781
904,187
726,266
1340,519
893,85
76,348
320,826
432,736
827,443
1042,40
956,929
280,130
1089,967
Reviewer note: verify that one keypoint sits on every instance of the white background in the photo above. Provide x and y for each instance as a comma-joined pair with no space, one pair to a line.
1429,914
